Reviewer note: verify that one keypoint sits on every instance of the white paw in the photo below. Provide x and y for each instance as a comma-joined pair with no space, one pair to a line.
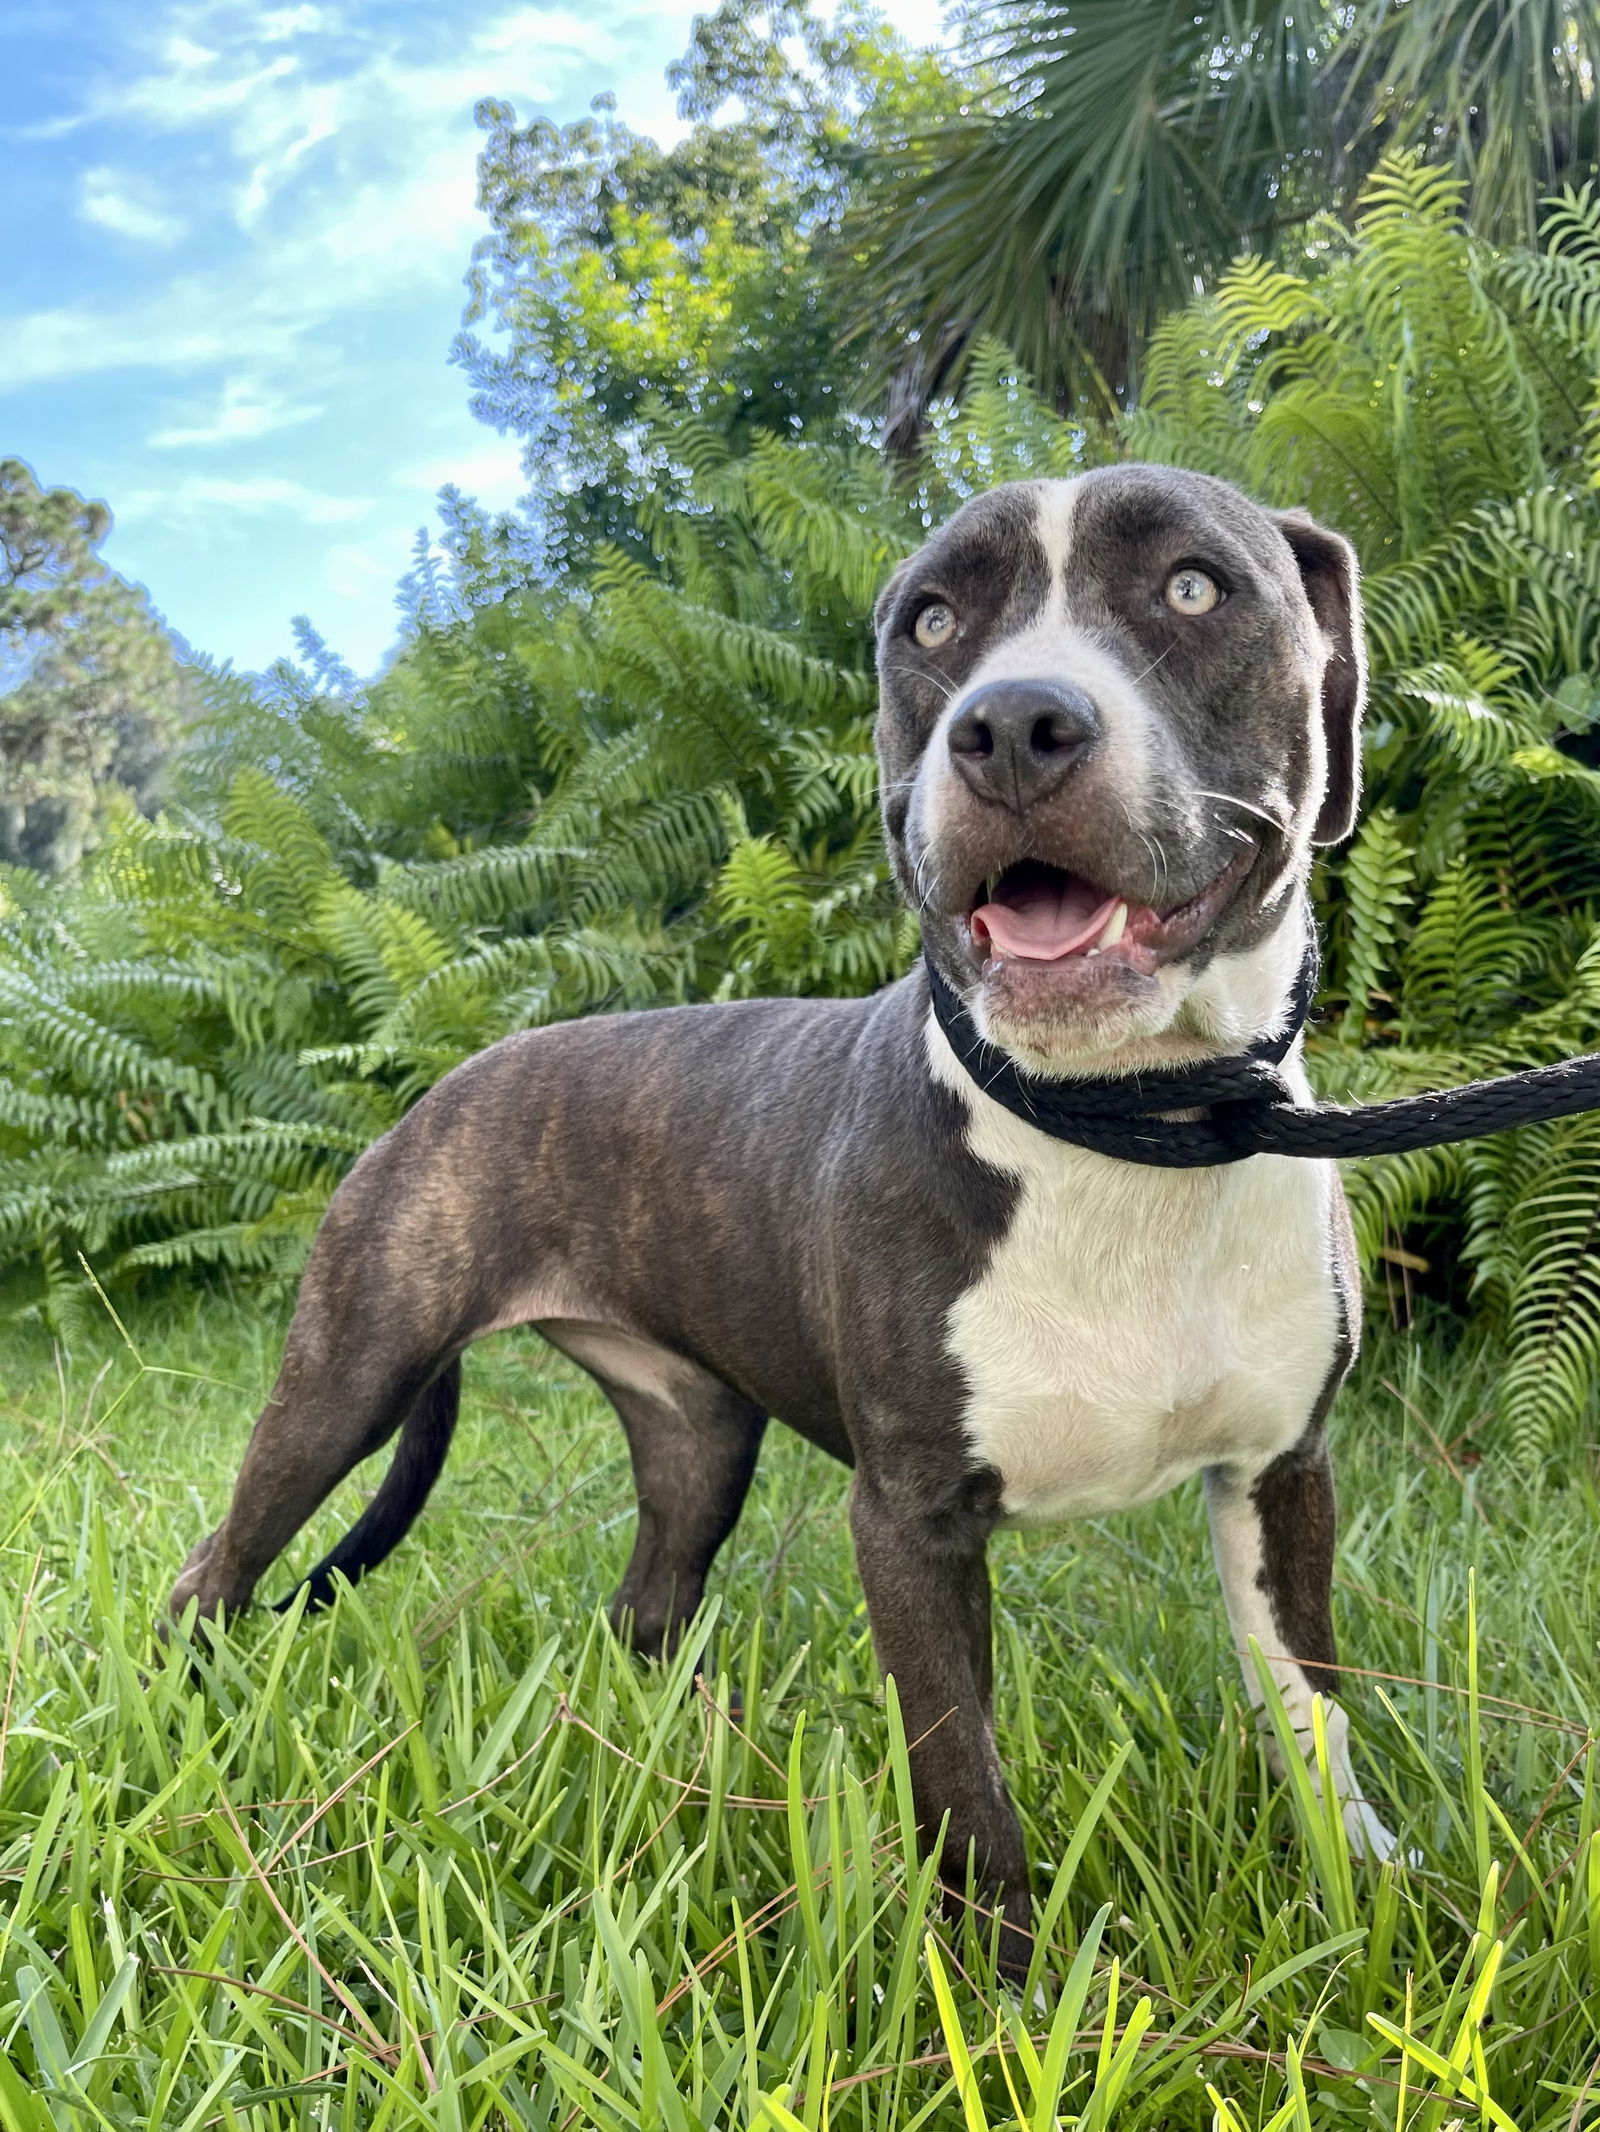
1368,1837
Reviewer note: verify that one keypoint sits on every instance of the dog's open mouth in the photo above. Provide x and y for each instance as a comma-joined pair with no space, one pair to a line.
1037,913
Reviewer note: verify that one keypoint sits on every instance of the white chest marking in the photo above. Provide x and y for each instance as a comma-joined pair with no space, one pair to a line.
1136,1325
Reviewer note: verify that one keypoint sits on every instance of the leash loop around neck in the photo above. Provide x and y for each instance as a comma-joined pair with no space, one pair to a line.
1247,1106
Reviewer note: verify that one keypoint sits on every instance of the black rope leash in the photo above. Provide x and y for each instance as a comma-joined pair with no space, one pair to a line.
1250,1107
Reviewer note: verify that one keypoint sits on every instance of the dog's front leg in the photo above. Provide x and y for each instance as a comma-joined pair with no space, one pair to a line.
1273,1534
923,1569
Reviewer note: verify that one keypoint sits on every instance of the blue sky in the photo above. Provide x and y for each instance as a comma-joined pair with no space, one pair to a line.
234,238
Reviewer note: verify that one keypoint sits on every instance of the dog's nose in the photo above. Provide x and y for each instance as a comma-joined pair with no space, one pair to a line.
1017,742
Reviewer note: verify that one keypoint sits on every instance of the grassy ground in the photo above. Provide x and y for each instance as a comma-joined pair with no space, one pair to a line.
447,1857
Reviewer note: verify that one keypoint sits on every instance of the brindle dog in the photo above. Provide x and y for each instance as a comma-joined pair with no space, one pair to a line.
1117,714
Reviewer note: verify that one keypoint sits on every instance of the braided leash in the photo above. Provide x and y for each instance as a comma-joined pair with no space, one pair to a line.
1251,1107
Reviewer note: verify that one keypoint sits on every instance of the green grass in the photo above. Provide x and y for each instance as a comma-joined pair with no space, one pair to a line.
446,1856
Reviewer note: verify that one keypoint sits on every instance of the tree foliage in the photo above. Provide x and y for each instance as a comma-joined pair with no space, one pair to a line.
90,689
632,286
1124,154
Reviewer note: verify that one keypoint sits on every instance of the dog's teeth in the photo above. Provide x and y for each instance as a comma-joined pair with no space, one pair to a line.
1116,925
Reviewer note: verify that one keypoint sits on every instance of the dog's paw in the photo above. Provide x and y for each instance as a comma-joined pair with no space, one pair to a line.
1369,1837
191,1579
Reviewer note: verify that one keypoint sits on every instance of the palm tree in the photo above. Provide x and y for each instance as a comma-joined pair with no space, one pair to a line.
1126,150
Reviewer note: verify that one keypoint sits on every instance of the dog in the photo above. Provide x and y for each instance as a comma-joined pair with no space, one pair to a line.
1118,713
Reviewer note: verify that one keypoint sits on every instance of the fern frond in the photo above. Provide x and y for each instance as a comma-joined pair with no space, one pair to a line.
1376,878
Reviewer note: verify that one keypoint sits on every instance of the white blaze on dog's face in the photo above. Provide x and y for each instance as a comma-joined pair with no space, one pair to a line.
1116,714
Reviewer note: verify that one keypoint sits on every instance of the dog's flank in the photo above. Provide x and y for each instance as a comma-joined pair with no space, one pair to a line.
1116,714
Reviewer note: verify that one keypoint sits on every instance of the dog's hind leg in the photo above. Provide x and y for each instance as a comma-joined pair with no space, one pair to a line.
1273,1536
693,1442
373,1348
310,1435
425,1437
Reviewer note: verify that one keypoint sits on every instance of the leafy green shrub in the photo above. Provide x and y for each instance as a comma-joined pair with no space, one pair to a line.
528,819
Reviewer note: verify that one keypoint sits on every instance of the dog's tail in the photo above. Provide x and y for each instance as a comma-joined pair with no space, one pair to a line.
419,1456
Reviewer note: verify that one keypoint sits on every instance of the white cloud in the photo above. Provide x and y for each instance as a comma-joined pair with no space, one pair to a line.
280,23
286,130
183,326
346,166
493,473
348,186
126,204
246,410
194,85
210,496
323,156
365,572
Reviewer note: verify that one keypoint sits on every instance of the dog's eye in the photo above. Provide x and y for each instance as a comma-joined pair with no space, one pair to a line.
1190,591
935,625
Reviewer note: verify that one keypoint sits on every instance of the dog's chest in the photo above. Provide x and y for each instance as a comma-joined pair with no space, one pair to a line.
1135,1325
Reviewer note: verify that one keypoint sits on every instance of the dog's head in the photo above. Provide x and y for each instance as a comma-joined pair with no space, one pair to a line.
1116,714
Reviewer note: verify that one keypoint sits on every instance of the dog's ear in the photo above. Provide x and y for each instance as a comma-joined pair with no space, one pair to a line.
1332,578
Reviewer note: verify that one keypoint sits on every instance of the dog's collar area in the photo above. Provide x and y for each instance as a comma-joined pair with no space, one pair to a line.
1126,1114
1249,1108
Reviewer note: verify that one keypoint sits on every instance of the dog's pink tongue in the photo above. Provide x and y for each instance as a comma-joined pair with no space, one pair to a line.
1044,920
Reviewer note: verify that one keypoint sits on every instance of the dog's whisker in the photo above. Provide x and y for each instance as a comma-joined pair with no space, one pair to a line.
921,673
925,896
1157,864
1232,799
1238,836
1164,866
1150,669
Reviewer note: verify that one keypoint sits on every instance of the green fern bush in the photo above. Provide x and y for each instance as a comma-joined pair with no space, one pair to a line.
657,789
658,785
